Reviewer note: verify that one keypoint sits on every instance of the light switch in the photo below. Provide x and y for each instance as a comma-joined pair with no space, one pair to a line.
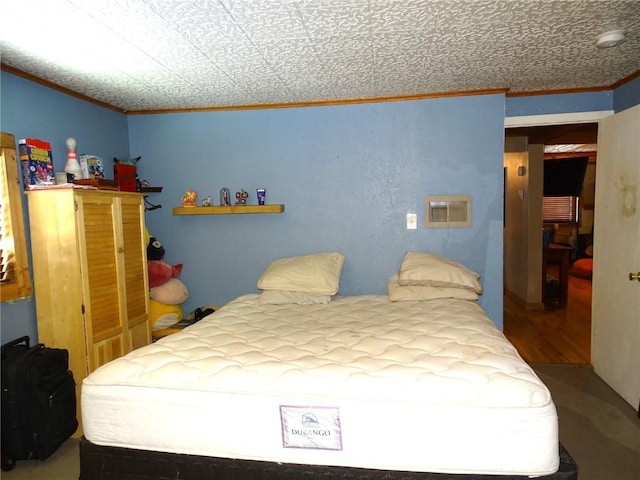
412,221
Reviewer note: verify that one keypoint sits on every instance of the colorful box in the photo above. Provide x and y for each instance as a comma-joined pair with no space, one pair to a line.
37,162
92,166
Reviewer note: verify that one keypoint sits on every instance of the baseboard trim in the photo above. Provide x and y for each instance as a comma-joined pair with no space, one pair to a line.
529,306
535,306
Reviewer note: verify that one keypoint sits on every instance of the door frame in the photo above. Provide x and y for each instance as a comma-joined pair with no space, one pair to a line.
556,119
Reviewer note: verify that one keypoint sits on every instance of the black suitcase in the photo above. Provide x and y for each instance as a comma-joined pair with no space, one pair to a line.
38,401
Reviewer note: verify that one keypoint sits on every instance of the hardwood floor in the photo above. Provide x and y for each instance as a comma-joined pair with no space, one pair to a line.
560,336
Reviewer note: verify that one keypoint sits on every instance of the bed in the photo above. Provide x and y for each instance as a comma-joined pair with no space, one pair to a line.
314,385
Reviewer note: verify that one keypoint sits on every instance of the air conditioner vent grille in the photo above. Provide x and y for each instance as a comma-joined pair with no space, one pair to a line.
446,211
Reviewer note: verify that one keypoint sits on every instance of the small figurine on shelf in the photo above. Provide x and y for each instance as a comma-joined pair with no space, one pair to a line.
206,202
241,197
225,197
189,198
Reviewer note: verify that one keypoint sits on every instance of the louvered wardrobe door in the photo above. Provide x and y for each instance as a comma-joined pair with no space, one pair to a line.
101,272
136,292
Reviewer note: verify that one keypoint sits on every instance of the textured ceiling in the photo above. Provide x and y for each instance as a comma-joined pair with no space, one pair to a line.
140,55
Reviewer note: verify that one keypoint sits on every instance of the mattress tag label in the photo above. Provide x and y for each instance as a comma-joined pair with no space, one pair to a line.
311,427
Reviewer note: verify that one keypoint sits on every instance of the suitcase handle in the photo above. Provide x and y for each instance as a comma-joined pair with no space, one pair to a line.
13,343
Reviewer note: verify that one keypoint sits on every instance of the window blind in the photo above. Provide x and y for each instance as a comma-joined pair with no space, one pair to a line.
560,209
7,265
15,280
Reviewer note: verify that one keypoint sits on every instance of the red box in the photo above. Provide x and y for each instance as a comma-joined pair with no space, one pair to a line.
125,177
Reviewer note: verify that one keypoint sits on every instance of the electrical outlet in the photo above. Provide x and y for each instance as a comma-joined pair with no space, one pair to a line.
412,221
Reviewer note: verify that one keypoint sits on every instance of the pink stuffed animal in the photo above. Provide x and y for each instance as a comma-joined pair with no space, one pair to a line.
160,272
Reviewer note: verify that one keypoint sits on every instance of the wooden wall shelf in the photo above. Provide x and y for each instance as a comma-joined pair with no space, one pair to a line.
151,189
230,210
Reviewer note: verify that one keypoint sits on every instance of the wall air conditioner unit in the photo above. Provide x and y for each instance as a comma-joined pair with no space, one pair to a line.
448,211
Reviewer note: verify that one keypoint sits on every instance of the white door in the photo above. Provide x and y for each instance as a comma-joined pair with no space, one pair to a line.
615,331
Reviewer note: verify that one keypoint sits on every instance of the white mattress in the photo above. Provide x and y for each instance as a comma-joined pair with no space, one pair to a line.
362,381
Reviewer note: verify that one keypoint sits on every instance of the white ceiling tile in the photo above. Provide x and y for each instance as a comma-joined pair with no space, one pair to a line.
285,52
341,47
271,25
322,20
146,54
402,16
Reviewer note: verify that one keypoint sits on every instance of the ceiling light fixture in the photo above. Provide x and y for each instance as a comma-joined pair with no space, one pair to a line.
611,39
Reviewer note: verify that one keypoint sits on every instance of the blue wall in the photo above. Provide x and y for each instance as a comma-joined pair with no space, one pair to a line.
559,103
347,176
28,109
627,95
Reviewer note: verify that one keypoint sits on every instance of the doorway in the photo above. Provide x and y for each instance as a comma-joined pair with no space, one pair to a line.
557,335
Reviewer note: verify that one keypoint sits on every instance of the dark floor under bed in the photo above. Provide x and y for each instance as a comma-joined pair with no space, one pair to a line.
113,463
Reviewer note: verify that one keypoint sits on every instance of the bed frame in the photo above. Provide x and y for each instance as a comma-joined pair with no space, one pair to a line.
114,463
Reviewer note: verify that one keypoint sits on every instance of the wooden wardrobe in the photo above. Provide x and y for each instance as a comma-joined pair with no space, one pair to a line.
90,274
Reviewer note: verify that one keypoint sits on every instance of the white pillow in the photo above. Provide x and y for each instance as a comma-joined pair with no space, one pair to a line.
285,297
400,293
318,273
426,269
